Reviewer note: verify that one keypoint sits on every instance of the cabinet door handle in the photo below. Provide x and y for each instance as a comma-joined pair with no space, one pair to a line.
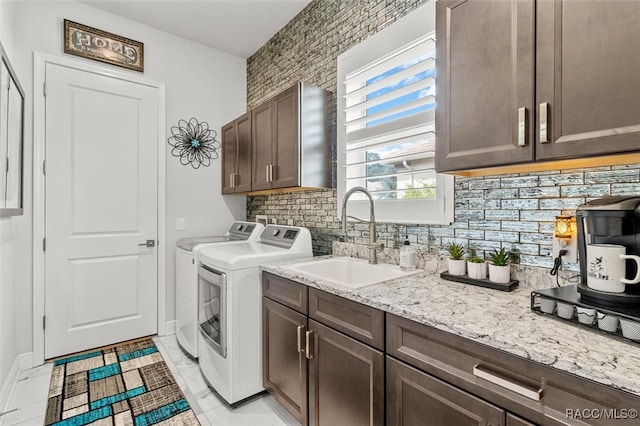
300,331
307,350
525,391
544,122
523,124
272,174
231,180
268,180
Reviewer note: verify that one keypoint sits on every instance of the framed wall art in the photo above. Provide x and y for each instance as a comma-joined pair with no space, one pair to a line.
92,43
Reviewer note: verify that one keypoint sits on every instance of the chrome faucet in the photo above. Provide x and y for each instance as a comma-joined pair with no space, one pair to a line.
373,245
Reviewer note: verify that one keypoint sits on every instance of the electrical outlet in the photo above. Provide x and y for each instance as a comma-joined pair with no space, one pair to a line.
181,224
568,244
262,218
274,221
290,222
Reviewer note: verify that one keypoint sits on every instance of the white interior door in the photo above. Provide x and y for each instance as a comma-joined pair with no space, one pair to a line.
101,137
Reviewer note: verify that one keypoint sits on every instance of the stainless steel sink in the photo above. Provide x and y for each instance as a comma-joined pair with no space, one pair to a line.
350,272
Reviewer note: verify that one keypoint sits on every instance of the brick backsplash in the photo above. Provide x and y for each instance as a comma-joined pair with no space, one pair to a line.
513,211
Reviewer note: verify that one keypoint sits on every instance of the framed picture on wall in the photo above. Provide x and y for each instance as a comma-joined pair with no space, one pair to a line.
99,45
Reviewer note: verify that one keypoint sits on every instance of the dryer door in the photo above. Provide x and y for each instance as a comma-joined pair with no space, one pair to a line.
212,308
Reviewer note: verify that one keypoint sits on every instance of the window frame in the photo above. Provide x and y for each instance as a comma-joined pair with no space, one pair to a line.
395,37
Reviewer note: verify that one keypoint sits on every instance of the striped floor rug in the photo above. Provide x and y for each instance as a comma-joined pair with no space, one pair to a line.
122,385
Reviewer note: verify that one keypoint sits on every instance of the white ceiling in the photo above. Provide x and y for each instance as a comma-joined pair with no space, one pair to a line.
239,27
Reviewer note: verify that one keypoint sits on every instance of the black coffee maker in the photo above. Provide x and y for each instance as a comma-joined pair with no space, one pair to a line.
609,220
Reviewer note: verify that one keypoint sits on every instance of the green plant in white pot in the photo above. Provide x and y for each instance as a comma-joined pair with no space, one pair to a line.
499,269
476,266
457,264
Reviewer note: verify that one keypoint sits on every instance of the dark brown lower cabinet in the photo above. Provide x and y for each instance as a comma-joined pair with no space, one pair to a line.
415,398
322,376
284,366
517,421
324,360
346,380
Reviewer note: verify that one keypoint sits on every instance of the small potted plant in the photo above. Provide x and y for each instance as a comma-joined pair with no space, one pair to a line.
456,261
499,269
476,266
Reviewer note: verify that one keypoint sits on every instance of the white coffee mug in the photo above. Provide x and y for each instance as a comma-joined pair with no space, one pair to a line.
606,269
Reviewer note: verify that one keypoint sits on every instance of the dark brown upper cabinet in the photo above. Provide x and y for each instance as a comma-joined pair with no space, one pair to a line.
236,155
291,140
526,82
484,68
587,75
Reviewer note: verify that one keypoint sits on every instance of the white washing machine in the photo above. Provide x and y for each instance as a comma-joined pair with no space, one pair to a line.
187,280
229,307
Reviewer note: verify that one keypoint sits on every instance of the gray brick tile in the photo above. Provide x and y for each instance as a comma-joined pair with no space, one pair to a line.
502,214
614,176
484,204
520,182
585,190
523,226
562,179
469,214
540,192
625,188
485,225
484,183
501,193
539,215
561,203
519,204
470,234
530,249
535,238
508,236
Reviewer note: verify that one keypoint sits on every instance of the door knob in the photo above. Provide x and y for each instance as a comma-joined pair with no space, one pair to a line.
148,243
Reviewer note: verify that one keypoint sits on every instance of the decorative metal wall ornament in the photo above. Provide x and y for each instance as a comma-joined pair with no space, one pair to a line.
194,143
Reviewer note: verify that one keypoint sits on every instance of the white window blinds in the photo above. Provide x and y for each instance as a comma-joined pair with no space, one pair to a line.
389,123
386,131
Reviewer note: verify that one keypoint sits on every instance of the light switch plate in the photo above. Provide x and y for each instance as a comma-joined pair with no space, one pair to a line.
181,224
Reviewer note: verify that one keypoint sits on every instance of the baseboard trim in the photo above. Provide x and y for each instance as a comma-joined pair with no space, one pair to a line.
9,385
25,361
169,328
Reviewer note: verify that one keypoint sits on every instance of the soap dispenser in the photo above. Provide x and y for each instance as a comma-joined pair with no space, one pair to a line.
407,256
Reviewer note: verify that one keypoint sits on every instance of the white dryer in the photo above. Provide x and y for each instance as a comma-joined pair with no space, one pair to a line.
187,280
229,307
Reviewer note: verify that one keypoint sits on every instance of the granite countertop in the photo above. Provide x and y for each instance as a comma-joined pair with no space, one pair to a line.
502,320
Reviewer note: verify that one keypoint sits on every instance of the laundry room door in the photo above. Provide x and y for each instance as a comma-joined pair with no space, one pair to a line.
101,209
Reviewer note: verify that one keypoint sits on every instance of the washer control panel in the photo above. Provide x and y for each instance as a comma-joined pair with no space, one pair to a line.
281,236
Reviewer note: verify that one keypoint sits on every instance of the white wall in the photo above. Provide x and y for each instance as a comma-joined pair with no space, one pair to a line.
201,82
9,238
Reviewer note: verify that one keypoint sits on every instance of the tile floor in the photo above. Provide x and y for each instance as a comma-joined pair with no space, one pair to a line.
28,404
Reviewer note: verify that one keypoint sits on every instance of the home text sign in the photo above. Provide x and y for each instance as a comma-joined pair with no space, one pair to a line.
102,46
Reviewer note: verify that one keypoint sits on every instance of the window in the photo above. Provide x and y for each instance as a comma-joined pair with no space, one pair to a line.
386,118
